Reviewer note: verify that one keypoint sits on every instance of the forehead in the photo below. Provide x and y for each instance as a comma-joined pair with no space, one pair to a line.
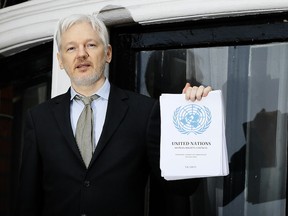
79,31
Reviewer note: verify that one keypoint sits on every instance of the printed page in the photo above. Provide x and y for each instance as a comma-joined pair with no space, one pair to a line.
193,143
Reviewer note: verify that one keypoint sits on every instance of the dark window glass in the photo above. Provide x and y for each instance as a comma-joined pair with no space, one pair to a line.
7,3
25,82
247,61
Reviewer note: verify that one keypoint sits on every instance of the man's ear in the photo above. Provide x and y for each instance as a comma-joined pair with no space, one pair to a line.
109,54
60,61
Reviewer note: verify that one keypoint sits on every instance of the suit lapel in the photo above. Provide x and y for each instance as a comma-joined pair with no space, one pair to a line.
116,111
61,110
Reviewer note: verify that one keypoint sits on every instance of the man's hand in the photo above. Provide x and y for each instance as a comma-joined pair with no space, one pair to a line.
195,92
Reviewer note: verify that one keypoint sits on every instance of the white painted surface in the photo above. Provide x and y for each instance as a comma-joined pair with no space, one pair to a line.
34,21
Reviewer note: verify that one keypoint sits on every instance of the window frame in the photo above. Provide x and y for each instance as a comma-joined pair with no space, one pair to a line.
127,40
230,31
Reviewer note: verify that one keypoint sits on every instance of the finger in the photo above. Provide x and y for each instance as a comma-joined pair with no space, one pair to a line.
186,87
193,91
206,91
188,92
199,92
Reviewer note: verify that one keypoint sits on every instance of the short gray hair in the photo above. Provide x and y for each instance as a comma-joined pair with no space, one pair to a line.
65,23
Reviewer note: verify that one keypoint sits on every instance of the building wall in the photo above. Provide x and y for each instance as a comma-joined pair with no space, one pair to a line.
33,22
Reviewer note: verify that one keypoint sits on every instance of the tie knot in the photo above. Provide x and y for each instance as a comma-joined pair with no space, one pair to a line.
87,100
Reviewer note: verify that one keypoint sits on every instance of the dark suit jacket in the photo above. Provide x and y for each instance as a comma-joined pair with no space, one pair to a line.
53,177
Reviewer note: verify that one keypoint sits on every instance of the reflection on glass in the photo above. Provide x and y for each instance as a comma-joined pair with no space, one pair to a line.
253,80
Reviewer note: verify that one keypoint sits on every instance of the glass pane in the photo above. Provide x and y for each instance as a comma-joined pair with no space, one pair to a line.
266,131
25,82
14,103
253,80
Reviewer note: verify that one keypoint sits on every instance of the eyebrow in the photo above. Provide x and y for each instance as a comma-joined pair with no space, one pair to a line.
87,41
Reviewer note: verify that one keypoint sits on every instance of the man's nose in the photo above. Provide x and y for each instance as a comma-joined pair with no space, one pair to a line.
82,52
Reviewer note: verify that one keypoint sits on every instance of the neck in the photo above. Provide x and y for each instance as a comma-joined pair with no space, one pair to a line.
90,89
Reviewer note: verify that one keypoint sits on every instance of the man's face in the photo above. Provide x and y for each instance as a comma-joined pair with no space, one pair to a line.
82,55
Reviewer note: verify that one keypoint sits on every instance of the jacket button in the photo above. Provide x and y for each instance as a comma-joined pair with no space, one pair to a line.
86,184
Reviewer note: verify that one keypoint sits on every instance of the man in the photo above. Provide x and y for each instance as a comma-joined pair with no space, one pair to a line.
56,177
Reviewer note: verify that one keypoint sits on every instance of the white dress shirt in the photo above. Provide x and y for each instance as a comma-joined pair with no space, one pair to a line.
99,107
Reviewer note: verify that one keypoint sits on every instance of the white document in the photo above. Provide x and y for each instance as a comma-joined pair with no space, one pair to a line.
193,143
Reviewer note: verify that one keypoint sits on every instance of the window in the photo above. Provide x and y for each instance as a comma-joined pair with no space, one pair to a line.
247,61
25,82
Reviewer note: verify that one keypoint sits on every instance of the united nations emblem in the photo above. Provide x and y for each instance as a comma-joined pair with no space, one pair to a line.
192,118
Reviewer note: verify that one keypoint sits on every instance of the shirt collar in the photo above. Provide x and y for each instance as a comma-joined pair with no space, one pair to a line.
103,92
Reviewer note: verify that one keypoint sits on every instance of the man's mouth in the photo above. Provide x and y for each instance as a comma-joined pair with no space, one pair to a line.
83,65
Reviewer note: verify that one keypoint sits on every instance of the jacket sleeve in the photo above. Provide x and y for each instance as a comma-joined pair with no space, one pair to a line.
177,187
29,194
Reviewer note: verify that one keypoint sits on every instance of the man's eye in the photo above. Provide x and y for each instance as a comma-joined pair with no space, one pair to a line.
70,49
91,45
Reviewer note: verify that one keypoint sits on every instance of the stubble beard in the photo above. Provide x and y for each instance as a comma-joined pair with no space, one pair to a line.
90,79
